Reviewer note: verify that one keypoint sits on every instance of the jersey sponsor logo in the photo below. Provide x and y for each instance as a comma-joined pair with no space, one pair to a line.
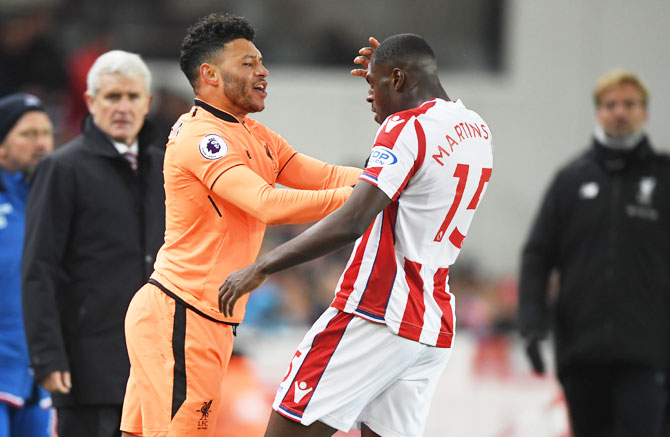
589,190
393,122
300,391
381,157
213,147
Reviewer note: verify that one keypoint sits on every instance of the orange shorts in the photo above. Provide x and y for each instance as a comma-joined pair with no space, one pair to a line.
177,361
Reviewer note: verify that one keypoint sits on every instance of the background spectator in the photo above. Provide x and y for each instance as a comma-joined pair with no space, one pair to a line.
603,226
26,135
94,223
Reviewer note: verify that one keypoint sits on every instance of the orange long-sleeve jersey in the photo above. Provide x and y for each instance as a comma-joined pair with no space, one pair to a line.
220,175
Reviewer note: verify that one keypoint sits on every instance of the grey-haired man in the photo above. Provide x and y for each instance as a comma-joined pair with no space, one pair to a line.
94,222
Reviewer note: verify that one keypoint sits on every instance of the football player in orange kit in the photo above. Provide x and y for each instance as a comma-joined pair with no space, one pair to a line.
220,173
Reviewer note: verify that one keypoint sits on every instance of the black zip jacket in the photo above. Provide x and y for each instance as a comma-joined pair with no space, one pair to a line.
604,226
93,228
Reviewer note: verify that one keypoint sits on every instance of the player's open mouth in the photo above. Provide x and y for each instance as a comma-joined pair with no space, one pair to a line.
260,87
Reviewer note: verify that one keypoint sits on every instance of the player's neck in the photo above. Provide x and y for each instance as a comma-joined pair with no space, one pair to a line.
420,96
434,91
424,88
214,99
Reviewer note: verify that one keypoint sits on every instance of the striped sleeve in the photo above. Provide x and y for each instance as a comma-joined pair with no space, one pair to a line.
398,153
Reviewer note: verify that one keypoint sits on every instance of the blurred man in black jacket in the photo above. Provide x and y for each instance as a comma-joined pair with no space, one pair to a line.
604,226
94,222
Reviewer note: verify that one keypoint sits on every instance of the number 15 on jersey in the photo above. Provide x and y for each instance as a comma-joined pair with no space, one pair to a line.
461,173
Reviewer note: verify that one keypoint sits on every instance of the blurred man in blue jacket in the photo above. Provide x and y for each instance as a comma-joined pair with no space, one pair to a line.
26,135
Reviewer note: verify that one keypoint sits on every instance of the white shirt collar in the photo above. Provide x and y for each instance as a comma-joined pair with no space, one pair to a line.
122,148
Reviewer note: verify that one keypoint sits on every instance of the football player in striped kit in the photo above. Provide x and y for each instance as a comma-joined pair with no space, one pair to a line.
373,359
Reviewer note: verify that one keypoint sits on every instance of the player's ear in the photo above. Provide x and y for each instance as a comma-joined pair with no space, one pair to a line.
209,74
398,77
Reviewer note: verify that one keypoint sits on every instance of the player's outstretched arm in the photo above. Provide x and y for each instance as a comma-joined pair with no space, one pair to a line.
338,229
306,173
251,193
363,58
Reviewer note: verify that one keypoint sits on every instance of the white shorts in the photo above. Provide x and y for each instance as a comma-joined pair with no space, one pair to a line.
349,371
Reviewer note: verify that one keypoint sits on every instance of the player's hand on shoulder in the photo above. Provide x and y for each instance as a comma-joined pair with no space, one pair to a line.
237,285
363,58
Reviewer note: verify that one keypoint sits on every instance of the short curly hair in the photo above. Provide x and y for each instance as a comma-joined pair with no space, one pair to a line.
205,38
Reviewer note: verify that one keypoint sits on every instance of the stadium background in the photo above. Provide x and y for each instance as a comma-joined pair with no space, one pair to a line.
526,66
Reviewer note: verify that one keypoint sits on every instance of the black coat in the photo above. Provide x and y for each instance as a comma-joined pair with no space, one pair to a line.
604,226
93,228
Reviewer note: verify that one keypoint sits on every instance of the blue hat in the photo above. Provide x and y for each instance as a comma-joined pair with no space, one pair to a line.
12,107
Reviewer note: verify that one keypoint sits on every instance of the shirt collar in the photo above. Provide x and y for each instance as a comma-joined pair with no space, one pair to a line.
216,112
123,148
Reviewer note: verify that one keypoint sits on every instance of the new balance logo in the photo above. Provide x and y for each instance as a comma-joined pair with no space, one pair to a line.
393,122
301,391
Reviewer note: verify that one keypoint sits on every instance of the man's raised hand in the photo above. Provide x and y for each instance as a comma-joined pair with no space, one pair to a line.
363,58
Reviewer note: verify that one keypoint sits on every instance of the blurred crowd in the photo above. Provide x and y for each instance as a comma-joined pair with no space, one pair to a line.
35,59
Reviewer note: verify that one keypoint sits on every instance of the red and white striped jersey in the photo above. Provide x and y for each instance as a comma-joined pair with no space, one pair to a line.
434,163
